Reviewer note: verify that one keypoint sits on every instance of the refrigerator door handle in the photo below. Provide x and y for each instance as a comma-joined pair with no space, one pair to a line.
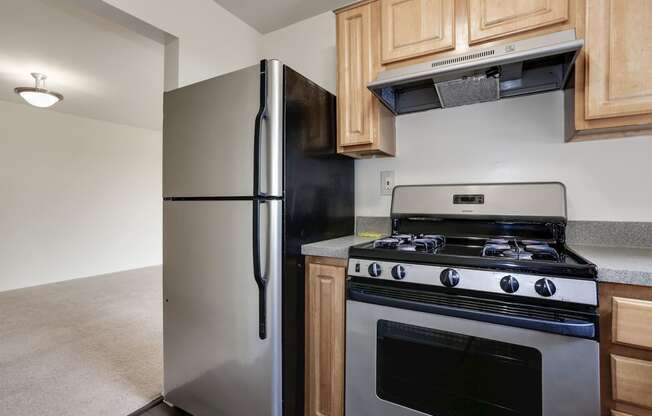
262,114
259,276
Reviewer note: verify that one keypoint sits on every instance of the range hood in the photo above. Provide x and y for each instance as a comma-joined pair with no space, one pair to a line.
528,66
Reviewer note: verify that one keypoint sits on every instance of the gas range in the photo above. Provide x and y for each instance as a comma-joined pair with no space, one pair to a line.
493,252
473,305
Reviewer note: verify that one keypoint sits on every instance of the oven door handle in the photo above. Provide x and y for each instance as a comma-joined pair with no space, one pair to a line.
573,328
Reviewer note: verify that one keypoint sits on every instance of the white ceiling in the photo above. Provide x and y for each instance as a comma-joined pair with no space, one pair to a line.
269,15
104,70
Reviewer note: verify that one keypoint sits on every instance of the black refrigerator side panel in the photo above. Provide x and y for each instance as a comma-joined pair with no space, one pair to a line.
318,205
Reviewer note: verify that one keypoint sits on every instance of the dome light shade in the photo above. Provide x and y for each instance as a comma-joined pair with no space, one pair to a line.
38,95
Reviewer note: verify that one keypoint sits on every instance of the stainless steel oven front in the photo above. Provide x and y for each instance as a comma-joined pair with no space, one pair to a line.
408,356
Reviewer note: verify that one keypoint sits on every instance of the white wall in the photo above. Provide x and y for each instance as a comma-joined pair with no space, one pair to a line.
518,139
104,70
80,197
308,47
212,41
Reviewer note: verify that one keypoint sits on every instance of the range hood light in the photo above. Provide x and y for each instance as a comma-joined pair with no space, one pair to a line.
38,95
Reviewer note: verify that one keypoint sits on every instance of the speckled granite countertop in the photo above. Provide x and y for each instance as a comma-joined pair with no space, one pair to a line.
337,247
619,264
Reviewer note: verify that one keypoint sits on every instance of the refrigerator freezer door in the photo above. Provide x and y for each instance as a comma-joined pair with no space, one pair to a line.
215,362
209,129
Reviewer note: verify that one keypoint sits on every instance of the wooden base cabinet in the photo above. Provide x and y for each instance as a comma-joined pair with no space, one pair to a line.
325,329
626,349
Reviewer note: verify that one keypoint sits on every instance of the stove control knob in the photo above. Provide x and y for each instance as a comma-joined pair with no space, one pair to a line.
375,270
449,277
545,287
509,284
398,272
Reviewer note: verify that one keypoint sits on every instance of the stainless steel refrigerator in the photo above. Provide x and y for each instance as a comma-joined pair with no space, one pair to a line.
250,172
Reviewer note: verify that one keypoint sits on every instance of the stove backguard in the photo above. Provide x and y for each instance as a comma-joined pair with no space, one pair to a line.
511,210
536,201
552,232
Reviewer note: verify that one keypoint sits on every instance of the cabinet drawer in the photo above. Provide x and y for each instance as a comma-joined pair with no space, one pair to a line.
631,380
617,413
632,322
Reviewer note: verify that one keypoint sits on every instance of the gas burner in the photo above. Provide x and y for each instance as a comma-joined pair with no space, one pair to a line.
411,242
439,240
388,242
520,250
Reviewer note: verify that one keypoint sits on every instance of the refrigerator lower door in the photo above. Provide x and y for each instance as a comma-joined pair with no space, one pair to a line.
215,360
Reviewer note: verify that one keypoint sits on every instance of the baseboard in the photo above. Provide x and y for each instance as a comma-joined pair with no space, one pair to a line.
148,406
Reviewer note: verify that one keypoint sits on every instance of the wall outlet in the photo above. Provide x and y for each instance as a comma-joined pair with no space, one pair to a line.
386,182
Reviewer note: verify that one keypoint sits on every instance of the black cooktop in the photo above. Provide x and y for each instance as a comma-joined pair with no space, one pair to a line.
524,255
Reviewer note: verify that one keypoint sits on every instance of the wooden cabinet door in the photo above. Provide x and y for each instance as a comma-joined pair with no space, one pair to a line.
411,28
325,339
355,71
491,19
618,54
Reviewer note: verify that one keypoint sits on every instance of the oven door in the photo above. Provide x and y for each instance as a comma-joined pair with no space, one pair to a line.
403,362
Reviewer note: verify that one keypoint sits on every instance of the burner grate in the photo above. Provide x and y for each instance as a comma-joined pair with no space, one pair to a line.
425,243
520,250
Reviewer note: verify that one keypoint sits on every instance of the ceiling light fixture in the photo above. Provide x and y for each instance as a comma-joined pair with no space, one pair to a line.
38,95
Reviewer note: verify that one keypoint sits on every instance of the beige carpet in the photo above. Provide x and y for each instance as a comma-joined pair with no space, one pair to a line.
88,346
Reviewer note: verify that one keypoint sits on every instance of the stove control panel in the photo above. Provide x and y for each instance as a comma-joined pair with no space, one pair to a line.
515,284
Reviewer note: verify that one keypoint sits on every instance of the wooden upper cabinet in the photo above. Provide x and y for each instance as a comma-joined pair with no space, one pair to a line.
355,72
619,57
613,89
365,127
492,19
412,28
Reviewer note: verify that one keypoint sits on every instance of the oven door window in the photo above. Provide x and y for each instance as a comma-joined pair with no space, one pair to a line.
447,374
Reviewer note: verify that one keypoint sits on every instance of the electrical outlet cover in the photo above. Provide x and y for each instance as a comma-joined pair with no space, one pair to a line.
386,182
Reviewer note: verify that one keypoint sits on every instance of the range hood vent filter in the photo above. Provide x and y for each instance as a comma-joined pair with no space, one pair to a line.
468,90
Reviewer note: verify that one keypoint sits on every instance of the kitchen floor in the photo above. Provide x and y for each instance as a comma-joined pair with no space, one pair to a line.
89,346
